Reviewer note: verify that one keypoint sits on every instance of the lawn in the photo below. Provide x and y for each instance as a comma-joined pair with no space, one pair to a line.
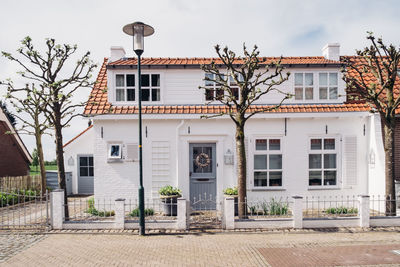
47,167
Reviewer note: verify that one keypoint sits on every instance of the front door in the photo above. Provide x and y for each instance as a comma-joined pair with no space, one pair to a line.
85,174
203,171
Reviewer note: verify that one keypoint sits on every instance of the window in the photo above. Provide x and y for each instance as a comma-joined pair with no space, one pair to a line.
214,91
303,86
267,163
322,162
151,87
114,151
124,87
328,85
86,166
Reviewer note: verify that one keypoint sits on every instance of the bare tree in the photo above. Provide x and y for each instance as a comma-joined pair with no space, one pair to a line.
372,76
240,82
30,105
59,85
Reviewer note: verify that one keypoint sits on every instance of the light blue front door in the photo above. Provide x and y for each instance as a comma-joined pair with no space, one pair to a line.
203,185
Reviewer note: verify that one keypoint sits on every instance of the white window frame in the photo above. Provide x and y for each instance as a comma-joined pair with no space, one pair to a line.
268,170
336,151
113,95
304,86
109,156
328,86
125,88
151,87
214,87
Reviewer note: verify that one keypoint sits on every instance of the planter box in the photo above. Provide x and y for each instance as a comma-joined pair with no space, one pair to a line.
170,205
236,200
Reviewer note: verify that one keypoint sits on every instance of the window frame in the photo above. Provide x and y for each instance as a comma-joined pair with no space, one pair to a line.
88,166
125,88
109,156
267,152
113,83
151,88
323,151
304,86
328,99
215,88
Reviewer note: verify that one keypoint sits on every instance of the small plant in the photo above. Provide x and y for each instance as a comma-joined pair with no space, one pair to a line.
341,210
93,211
168,190
278,208
231,191
252,210
147,212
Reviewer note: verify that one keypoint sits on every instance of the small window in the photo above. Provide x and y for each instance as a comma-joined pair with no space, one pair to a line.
115,151
151,87
303,86
86,166
213,90
328,85
124,87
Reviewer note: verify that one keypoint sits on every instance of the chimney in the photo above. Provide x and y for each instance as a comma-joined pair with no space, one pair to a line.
117,52
331,51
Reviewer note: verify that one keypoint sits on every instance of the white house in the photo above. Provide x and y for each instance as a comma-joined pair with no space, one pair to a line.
316,144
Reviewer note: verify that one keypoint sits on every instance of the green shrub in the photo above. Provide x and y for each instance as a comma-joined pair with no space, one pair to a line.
168,190
147,212
341,210
93,211
231,191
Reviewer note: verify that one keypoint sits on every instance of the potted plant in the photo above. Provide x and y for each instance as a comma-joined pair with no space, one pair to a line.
233,192
169,196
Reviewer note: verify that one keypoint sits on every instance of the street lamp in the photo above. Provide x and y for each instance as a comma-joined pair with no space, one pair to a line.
139,30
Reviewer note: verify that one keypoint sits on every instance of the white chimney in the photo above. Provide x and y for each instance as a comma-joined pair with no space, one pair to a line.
117,52
331,51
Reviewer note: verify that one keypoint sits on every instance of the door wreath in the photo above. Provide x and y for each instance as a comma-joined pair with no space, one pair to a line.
202,160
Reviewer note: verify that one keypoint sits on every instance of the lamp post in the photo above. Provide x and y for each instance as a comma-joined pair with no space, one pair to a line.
139,30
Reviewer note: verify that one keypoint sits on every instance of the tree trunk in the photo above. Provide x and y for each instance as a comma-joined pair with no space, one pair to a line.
242,174
389,169
39,148
60,164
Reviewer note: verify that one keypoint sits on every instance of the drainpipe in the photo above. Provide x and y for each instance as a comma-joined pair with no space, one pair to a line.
177,148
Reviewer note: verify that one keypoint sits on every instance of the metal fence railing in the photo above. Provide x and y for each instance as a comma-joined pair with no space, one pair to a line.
32,182
90,209
384,205
330,206
264,209
21,209
155,209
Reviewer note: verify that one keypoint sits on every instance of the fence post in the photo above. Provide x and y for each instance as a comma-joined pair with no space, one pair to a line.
182,214
297,212
119,222
229,213
364,210
57,209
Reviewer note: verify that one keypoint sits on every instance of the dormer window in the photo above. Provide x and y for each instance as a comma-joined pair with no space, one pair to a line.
328,85
214,91
151,87
124,87
303,86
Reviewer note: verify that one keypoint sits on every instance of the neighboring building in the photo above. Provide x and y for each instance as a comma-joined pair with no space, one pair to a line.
14,157
78,155
317,143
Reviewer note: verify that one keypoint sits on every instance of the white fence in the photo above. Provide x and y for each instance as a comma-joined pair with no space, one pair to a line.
298,212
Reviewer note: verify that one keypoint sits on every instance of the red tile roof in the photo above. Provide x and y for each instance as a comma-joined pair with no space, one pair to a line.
76,137
200,61
98,103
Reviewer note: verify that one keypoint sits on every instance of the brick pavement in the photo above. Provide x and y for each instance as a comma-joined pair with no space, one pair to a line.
201,249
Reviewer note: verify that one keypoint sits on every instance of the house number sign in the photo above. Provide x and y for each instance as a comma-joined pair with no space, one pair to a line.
202,160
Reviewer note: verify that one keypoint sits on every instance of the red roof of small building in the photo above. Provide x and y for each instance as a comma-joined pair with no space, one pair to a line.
98,101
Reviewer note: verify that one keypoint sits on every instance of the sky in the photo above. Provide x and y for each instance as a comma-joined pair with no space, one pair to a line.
190,28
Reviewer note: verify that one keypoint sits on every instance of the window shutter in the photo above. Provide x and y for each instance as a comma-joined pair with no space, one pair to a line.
132,152
350,160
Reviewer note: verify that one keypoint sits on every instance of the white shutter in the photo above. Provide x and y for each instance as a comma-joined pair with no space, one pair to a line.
350,160
132,152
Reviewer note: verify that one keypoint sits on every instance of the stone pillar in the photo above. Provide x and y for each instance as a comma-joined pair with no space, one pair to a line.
182,221
364,210
229,213
297,212
119,213
57,209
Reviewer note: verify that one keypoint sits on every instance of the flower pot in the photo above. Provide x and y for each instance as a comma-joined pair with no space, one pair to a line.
170,205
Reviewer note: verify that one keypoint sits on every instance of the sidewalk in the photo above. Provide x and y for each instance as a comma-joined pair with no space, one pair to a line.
210,249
